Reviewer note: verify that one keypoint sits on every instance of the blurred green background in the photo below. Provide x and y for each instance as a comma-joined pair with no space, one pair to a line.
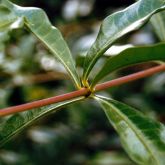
79,134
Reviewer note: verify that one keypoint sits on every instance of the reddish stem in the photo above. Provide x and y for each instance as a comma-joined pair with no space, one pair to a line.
43,102
130,78
81,92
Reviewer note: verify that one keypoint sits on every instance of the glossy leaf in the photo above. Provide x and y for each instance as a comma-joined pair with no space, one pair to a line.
142,138
38,23
119,24
158,22
131,56
20,121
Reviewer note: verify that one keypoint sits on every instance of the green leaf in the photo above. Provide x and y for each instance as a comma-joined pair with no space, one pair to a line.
158,22
7,18
110,158
131,56
142,138
3,38
117,25
20,121
38,23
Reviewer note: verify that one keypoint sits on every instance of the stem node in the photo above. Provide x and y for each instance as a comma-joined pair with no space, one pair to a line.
87,92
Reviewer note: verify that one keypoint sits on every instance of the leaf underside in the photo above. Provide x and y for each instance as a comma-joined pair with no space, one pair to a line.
142,138
35,19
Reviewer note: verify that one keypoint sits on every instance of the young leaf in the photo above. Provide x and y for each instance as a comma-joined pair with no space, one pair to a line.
131,56
119,24
37,22
142,138
20,121
158,22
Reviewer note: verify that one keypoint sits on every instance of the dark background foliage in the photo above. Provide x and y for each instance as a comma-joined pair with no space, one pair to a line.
80,133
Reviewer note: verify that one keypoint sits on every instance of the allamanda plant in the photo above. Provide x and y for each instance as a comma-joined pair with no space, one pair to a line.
141,137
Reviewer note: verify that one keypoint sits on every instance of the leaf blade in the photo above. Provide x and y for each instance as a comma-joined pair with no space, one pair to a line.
158,22
38,23
19,121
129,57
142,138
120,24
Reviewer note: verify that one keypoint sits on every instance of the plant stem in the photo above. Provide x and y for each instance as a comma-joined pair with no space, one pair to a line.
81,92
129,78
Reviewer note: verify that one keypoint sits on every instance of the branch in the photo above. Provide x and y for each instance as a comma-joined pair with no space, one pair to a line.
82,92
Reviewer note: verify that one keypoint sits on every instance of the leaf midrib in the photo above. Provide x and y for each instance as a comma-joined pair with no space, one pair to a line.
54,52
26,124
109,43
38,117
136,130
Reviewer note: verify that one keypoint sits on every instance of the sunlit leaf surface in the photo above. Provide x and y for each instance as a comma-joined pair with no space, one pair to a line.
119,24
142,138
